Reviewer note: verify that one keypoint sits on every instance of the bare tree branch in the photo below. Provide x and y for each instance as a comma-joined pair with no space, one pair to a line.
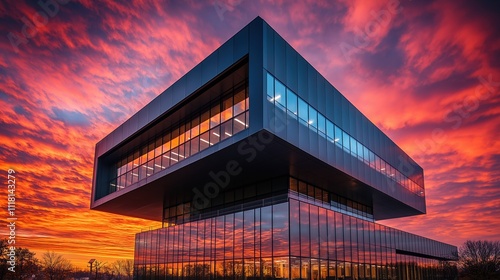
480,259
55,266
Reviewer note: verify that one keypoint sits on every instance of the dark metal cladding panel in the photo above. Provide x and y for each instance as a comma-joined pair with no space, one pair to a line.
193,81
329,102
312,95
241,44
225,55
268,52
321,92
291,68
302,76
209,68
154,110
257,94
279,58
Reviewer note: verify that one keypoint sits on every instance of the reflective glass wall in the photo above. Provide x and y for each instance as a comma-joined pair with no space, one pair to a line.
302,238
243,245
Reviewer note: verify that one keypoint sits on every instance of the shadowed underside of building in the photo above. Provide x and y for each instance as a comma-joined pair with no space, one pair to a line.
260,169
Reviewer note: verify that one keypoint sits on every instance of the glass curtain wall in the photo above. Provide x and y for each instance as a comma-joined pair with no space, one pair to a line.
297,239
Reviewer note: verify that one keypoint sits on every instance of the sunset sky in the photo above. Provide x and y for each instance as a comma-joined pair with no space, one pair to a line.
426,72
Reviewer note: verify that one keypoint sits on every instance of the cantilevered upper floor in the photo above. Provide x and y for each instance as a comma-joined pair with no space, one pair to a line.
253,110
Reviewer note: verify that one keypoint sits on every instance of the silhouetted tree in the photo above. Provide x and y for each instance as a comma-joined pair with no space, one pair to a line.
3,258
100,270
55,266
128,269
123,269
480,260
26,264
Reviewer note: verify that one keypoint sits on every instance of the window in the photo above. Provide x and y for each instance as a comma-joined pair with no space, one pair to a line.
338,137
204,141
291,102
321,124
366,155
195,127
214,116
205,124
280,95
360,151
215,135
226,130
346,142
330,134
303,111
239,123
313,118
227,109
239,102
226,116
270,87
354,147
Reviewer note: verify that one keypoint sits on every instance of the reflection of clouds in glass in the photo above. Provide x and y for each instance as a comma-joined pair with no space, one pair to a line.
280,229
257,241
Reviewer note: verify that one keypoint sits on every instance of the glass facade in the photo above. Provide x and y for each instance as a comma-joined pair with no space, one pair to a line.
227,115
301,237
288,101
292,240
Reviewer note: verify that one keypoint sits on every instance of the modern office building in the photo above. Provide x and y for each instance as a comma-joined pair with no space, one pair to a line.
260,169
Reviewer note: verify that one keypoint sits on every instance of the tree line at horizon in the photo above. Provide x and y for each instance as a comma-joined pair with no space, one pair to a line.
53,266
